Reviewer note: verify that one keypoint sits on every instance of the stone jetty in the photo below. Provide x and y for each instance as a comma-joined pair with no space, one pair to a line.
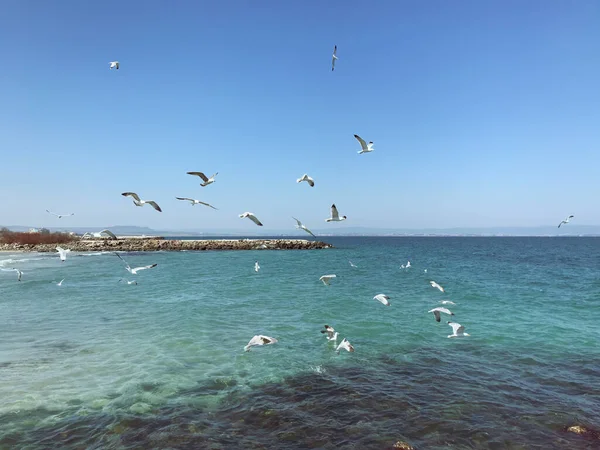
155,244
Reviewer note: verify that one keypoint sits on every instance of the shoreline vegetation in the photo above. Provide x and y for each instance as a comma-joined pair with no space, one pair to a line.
47,242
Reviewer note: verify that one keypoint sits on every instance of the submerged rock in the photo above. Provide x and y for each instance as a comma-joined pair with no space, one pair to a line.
583,431
403,446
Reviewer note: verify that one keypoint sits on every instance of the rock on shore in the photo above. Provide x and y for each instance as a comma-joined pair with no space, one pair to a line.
154,244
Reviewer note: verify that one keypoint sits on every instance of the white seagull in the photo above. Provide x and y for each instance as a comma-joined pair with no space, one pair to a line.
137,201
259,340
345,344
447,302
128,282
331,333
334,57
206,179
19,273
306,178
383,299
62,253
352,264
567,220
326,279
60,282
252,217
300,226
59,215
114,65
436,312
335,216
437,286
408,264
137,269
365,148
256,266
195,202
457,330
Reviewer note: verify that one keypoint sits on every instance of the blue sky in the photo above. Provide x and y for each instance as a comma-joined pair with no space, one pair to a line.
483,113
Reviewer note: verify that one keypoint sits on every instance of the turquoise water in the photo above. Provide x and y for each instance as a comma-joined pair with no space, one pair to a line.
96,363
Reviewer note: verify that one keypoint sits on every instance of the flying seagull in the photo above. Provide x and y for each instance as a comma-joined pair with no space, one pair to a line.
19,273
436,312
365,148
60,282
259,339
300,226
195,202
256,266
252,217
207,180
335,216
567,220
114,65
331,333
326,279
334,57
137,269
62,253
60,215
345,344
447,302
139,202
457,330
352,264
306,178
437,286
383,299
128,282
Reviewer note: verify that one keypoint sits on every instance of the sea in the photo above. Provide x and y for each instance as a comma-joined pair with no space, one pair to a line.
97,363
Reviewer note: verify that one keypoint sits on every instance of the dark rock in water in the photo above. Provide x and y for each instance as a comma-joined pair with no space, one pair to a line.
583,431
403,446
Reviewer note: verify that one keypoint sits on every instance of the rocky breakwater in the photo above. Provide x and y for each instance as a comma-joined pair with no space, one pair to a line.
155,244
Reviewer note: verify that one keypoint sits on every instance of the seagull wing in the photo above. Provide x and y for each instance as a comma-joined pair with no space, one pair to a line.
54,214
457,328
254,219
345,344
363,144
308,231
206,204
334,212
144,267
185,198
310,181
154,205
131,194
199,174
333,58
383,299
298,222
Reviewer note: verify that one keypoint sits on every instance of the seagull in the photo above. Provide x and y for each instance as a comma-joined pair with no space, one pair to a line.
408,264
137,269
19,273
435,285
436,312
447,302
352,264
331,333
326,278
424,270
300,226
114,65
60,282
62,253
335,217
306,178
128,282
252,217
334,57
207,181
60,215
567,220
383,299
256,266
195,202
139,202
457,330
259,339
366,148
345,344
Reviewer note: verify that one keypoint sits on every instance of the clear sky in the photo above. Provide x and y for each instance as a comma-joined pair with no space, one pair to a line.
483,113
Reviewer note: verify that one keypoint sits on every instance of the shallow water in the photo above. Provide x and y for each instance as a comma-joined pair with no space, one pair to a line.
100,364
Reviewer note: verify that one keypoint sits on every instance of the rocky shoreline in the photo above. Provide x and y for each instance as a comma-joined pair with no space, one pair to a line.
155,244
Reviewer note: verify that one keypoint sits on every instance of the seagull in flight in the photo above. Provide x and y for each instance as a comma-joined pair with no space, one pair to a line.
137,201
352,264
334,57
567,220
60,282
252,217
331,333
195,202
457,330
62,253
345,345
335,216
19,273
128,282
137,269
437,286
60,216
300,226
259,339
436,312
447,302
306,178
114,65
383,299
206,180
365,148
326,279
256,266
